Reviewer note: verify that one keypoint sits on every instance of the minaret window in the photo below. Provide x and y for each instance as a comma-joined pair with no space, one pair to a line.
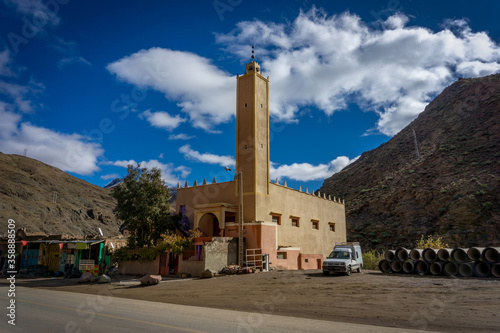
246,104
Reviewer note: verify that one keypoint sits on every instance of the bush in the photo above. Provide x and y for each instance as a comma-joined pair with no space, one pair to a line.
371,259
432,241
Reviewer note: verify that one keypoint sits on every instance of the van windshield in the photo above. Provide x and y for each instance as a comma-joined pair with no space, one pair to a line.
339,255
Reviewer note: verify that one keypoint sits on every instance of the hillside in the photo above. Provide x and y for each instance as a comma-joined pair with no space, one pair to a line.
452,189
27,189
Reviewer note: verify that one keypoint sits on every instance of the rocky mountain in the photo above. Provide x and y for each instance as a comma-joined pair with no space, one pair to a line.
114,182
46,200
450,186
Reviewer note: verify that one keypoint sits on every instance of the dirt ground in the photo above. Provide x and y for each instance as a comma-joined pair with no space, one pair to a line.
427,303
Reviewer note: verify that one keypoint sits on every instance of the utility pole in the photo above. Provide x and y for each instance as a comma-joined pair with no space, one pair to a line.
240,213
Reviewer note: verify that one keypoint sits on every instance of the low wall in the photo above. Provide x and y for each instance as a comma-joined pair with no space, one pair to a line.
310,261
291,261
191,267
137,268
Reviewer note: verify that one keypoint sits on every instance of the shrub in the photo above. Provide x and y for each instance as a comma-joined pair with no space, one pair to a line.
432,241
371,259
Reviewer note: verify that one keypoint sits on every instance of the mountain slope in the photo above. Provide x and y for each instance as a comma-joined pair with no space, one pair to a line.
27,192
452,189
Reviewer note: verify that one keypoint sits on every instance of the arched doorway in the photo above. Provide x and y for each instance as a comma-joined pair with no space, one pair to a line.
209,225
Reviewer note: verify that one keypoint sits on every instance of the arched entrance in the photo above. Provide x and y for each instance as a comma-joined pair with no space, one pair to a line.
209,225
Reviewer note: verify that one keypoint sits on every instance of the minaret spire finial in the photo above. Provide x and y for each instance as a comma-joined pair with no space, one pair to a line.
253,51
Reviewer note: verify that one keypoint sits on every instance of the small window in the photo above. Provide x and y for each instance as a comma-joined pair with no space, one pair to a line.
315,224
246,147
281,255
277,219
332,226
295,222
261,106
261,146
246,104
306,260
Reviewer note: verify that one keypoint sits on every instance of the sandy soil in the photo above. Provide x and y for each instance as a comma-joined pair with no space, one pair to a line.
405,301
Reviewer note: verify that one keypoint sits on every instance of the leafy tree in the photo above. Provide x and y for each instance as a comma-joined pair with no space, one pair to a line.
143,203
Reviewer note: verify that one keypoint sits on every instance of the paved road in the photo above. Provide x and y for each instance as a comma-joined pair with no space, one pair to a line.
39,310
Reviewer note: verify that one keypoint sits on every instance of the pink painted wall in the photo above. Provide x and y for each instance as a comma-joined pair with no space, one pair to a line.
291,261
312,261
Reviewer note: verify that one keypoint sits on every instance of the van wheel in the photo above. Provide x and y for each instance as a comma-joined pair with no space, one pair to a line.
326,273
360,269
348,271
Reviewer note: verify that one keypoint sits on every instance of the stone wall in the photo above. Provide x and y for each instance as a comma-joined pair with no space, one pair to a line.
220,252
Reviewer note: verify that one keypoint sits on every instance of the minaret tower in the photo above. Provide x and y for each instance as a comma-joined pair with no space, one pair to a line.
252,133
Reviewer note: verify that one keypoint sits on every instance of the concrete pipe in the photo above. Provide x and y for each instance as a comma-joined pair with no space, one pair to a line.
421,268
450,268
436,268
402,254
390,255
429,255
408,267
459,255
466,269
482,269
475,253
396,266
444,254
416,254
491,255
495,270
384,266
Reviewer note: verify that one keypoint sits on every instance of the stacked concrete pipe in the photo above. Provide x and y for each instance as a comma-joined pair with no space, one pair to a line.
464,262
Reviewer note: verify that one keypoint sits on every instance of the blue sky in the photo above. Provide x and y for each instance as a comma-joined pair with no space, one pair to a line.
90,86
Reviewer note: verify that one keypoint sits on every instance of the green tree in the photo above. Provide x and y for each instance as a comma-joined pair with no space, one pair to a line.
143,204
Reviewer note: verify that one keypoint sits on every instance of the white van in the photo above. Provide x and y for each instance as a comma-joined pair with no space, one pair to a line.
346,258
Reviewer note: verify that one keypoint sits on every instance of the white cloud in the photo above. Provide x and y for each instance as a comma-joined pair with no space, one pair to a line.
4,63
477,68
170,174
308,172
204,92
330,61
110,176
38,9
78,60
209,158
180,136
162,119
68,152
17,94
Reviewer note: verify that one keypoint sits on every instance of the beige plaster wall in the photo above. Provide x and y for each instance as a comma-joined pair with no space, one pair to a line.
206,194
289,202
